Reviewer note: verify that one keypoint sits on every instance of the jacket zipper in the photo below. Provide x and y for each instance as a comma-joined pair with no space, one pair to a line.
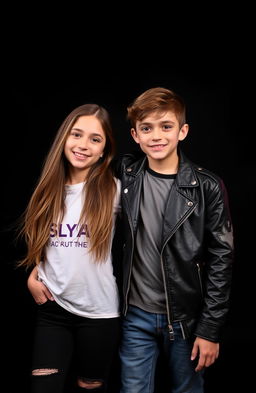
199,277
170,327
130,272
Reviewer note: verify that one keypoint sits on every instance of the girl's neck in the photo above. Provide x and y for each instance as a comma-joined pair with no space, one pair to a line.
75,178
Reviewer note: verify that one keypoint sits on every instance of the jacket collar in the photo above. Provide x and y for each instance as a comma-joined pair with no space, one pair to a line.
186,176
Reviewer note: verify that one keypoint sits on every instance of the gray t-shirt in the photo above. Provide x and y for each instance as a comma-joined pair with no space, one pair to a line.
147,288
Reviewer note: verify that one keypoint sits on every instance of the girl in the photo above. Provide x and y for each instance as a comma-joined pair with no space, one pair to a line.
68,227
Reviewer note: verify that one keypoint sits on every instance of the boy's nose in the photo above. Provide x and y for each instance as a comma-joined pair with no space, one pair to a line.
156,134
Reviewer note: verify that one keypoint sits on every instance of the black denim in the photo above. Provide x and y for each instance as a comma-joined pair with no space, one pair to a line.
63,339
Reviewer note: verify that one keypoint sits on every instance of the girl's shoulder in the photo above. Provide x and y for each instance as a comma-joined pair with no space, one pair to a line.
118,182
118,186
117,202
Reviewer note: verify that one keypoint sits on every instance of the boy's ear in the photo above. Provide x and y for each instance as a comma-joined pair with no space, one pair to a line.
183,132
134,135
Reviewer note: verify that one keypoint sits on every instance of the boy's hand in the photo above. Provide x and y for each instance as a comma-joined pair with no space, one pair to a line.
207,351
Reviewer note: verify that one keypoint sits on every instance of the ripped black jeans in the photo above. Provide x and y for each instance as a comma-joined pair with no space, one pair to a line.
63,339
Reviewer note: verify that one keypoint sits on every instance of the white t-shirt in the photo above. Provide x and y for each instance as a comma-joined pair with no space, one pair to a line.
76,282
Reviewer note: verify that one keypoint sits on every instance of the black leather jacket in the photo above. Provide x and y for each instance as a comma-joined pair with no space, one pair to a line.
197,245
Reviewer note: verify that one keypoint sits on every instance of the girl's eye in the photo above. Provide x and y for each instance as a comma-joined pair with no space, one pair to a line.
96,140
75,134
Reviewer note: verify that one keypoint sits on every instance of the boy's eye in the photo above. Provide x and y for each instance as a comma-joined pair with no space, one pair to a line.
145,129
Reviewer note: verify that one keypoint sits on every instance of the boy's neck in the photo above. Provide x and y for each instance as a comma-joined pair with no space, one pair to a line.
168,166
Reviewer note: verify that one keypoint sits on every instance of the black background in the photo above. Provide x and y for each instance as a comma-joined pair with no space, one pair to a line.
50,66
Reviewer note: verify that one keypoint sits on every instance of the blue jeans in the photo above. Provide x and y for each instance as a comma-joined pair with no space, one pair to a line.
144,334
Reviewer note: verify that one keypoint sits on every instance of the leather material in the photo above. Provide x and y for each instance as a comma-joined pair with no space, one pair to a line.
197,244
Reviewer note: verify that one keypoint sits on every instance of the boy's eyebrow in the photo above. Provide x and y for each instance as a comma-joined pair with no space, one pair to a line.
167,121
145,123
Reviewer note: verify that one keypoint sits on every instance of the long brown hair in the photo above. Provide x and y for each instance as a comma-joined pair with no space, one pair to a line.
47,206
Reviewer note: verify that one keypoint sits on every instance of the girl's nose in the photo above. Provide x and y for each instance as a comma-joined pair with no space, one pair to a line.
83,144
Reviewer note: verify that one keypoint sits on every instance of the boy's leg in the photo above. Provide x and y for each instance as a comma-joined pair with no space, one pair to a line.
138,352
182,369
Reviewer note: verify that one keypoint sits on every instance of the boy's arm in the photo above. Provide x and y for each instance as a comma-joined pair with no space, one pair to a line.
218,264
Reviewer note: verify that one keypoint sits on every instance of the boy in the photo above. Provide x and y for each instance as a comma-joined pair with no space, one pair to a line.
178,251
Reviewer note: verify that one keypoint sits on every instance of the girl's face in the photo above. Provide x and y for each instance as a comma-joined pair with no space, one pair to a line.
84,147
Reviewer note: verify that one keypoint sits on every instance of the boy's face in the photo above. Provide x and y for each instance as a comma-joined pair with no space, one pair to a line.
158,135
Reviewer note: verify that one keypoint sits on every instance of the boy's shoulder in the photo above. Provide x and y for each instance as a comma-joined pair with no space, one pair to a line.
189,170
127,160
210,181
199,170
202,171
132,157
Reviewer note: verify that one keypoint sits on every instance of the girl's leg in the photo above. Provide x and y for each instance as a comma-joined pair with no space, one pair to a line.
53,346
96,344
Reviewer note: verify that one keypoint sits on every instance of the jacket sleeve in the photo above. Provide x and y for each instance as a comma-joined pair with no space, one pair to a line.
218,262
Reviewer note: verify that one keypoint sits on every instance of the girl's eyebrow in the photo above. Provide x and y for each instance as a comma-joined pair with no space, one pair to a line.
91,133
77,129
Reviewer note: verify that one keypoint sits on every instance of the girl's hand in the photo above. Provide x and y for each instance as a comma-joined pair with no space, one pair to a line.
37,289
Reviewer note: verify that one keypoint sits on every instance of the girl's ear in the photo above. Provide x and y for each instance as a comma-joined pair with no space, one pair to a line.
183,132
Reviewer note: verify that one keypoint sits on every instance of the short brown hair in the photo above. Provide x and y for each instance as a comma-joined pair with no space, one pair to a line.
156,99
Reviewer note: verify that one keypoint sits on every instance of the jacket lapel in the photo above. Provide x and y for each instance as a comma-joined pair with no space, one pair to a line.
178,208
180,203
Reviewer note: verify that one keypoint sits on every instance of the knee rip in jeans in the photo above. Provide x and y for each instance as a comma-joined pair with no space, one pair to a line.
88,383
44,371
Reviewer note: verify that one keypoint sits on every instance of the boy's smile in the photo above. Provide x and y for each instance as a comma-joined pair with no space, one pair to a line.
158,135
